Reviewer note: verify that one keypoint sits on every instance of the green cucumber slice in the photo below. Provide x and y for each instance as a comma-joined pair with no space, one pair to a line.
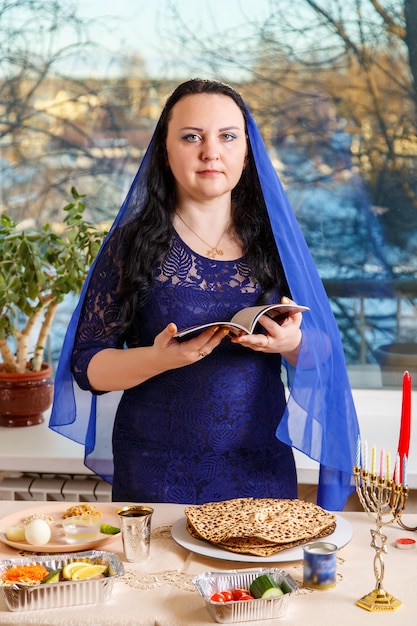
52,577
273,592
286,588
264,586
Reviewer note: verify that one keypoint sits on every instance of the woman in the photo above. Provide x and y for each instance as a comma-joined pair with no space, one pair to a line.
195,241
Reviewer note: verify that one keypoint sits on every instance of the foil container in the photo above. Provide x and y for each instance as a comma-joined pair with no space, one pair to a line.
64,593
243,610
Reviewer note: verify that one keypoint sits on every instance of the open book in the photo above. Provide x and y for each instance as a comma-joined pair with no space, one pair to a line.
245,320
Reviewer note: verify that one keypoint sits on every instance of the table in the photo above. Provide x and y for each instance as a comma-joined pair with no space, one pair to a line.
159,592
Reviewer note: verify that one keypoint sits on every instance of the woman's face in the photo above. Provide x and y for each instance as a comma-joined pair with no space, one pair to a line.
206,146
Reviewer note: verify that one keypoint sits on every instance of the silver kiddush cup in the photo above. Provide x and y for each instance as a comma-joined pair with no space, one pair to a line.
135,524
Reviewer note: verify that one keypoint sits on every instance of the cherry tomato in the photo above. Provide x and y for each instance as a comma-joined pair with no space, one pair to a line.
228,595
217,597
238,593
233,594
246,596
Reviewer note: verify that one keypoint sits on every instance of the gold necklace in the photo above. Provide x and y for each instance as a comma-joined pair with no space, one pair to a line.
213,251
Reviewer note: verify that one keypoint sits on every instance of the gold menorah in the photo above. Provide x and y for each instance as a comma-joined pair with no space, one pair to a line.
384,501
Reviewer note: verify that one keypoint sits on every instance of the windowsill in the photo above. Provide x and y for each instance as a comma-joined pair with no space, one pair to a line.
39,449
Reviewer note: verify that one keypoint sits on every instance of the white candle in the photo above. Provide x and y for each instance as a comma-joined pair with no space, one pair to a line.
365,456
388,466
404,470
358,452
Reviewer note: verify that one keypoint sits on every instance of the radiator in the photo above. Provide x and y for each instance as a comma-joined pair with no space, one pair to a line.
54,487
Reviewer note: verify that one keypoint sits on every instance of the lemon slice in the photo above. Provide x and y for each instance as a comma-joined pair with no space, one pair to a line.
72,567
84,573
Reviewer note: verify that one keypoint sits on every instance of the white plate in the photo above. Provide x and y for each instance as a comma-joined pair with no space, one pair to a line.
341,536
58,543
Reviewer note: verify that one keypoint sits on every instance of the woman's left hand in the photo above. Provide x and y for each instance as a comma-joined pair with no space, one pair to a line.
284,338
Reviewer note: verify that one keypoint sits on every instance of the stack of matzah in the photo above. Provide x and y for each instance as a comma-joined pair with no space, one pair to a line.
259,526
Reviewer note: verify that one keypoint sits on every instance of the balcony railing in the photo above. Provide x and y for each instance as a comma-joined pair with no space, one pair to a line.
373,313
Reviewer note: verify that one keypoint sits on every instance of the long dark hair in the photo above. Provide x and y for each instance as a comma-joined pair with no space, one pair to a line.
146,238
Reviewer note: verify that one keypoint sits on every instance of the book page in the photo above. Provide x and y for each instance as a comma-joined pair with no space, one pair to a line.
244,320
248,317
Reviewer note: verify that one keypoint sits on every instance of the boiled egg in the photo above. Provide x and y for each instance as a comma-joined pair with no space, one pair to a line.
37,532
15,533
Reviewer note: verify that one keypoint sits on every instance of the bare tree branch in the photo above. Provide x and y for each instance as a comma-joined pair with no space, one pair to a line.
396,29
56,127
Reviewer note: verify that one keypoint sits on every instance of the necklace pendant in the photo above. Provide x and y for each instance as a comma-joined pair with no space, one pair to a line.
213,252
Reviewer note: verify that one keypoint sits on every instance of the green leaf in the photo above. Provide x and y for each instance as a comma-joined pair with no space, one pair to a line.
37,263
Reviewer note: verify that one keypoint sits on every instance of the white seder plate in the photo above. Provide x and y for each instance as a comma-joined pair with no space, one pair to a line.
341,536
58,543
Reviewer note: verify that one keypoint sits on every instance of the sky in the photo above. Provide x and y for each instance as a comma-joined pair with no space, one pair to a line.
144,25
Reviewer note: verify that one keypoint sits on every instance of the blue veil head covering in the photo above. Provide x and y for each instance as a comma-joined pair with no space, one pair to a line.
319,419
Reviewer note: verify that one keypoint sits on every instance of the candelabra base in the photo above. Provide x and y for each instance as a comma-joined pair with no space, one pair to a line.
379,601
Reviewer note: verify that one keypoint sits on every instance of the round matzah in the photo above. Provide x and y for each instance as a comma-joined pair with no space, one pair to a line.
258,526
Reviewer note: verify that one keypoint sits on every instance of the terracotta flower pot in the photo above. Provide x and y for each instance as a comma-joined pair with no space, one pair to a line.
24,397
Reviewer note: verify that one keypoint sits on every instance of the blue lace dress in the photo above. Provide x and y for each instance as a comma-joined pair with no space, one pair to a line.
200,433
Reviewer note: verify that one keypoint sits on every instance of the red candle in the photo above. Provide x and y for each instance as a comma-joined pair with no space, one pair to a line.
405,428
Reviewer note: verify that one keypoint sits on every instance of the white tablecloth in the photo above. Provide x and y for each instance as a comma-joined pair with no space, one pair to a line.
159,592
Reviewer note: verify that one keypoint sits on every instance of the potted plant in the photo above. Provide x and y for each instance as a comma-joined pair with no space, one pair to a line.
38,268
394,359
